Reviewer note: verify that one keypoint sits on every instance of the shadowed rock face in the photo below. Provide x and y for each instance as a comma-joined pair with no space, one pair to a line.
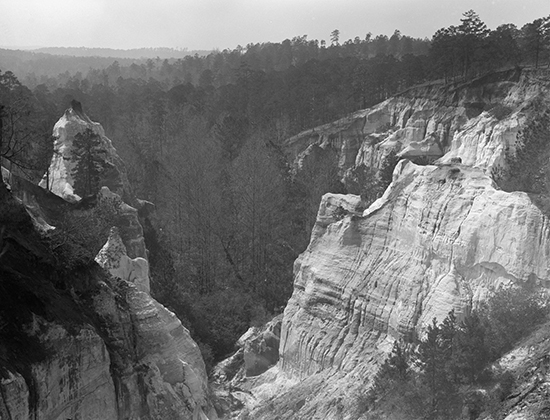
79,372
261,349
126,356
167,369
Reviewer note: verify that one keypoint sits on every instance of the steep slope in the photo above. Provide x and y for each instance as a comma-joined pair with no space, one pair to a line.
475,121
440,238
84,339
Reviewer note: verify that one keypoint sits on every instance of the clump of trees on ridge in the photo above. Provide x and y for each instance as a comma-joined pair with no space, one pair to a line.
449,370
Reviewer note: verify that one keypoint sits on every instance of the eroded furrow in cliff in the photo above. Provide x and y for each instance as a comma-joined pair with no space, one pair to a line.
440,238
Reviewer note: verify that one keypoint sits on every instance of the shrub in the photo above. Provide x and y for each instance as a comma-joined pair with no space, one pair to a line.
499,111
383,128
527,167
339,213
509,315
81,233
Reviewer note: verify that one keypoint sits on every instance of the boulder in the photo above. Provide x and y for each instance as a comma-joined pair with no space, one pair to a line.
261,350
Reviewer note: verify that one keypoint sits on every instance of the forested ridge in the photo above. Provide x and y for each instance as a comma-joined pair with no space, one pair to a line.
202,139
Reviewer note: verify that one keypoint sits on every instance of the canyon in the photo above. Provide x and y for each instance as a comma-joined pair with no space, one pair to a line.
444,235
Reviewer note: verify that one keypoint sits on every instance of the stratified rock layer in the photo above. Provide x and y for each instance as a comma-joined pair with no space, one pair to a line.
475,121
441,237
167,356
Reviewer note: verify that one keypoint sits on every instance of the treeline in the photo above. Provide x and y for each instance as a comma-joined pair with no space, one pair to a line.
35,68
298,82
470,48
448,373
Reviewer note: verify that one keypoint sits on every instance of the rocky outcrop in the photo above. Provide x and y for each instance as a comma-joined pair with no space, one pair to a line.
476,121
261,349
59,178
112,182
441,237
258,350
76,381
164,351
114,258
167,369
88,342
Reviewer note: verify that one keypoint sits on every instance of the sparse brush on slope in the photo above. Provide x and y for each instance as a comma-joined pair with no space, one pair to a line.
81,232
448,370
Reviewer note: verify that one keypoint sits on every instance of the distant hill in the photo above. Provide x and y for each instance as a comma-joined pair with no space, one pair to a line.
40,64
136,53
36,66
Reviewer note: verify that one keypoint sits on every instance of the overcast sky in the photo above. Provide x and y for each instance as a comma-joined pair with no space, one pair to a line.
208,24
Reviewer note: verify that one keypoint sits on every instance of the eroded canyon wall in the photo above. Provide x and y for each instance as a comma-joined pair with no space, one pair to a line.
116,353
441,237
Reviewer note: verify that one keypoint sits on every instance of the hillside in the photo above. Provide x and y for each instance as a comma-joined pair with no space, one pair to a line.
135,53
444,236
80,335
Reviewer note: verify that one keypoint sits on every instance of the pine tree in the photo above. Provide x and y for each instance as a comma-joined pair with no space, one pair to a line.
432,356
90,157
536,38
444,51
449,337
472,33
335,37
394,384
472,353
395,368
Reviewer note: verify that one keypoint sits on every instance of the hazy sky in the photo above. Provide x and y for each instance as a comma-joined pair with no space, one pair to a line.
207,24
